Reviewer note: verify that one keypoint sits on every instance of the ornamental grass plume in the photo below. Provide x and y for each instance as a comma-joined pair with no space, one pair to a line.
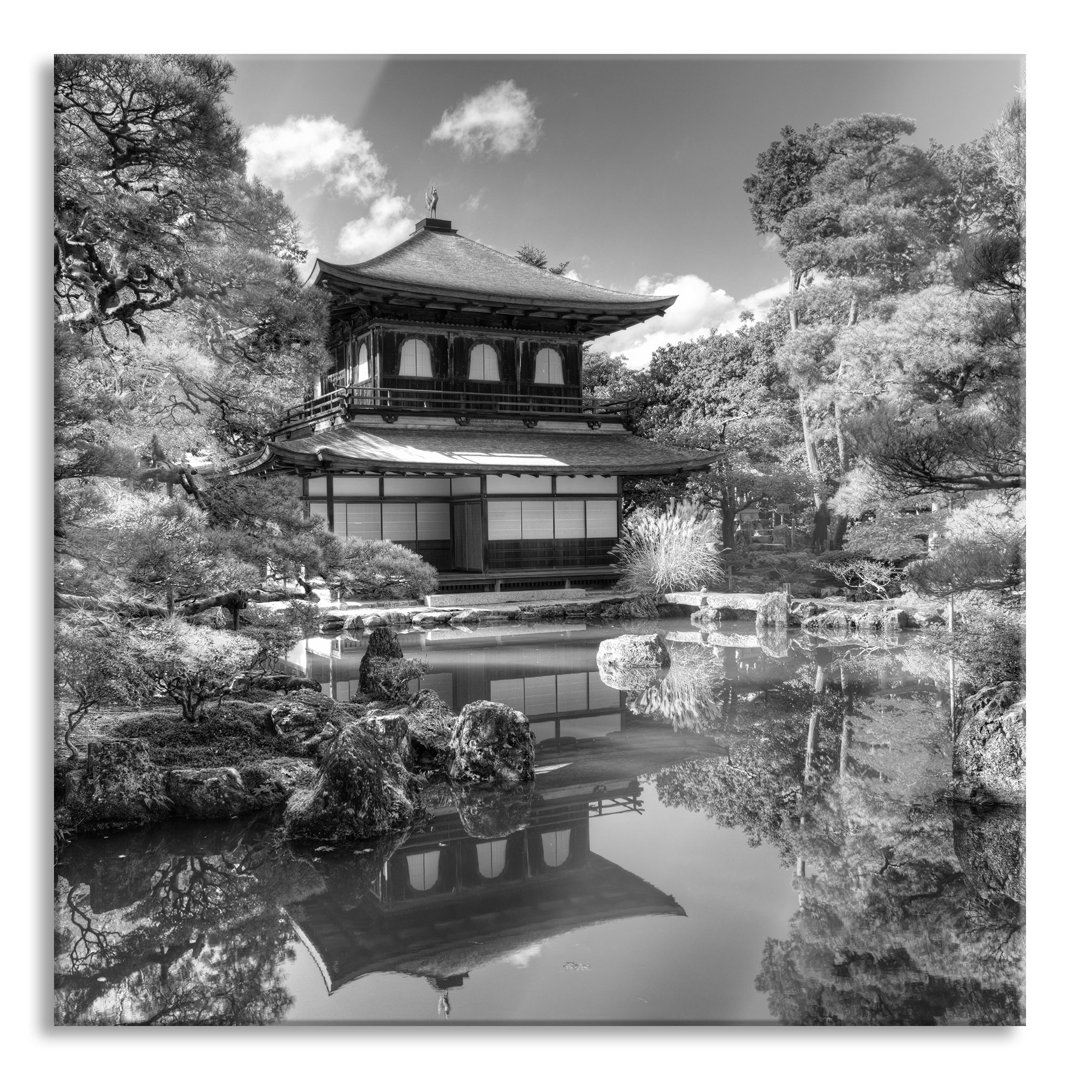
669,550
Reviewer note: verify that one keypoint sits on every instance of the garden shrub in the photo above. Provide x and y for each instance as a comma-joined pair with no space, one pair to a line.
669,550
382,570
190,664
872,579
989,645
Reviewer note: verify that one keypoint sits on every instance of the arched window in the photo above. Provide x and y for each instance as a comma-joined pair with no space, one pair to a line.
415,359
556,847
423,870
549,367
484,364
491,858
361,371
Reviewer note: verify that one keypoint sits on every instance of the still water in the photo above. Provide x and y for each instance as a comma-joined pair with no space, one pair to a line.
760,836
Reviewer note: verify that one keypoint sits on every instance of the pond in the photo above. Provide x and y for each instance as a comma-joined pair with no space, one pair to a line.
762,836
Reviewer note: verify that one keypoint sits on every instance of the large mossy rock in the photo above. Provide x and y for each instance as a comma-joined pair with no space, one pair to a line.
119,786
362,788
633,650
990,845
430,724
990,755
491,743
223,791
382,645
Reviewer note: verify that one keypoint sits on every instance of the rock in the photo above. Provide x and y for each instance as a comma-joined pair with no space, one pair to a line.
207,793
772,610
430,724
332,624
382,645
634,607
990,846
371,621
829,623
432,618
490,813
362,789
990,757
631,678
491,742
469,615
634,650
119,785
296,720
273,681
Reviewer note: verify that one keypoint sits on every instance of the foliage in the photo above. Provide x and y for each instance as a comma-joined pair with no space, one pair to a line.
93,666
224,737
275,632
388,678
534,256
989,643
380,570
189,664
181,332
664,551
873,579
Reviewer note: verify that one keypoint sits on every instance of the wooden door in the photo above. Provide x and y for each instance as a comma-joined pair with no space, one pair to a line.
468,537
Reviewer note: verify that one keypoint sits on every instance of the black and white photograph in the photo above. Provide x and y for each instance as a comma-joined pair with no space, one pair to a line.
538,540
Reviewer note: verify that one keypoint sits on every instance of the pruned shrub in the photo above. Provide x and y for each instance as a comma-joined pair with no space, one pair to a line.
382,570
189,664
669,550
388,679
872,579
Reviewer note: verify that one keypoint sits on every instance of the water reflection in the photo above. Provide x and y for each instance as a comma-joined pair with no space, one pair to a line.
833,757
449,901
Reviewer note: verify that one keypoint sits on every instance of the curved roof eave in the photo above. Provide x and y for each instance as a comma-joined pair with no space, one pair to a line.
654,305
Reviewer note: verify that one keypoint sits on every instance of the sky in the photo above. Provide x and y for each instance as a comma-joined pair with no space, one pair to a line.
630,168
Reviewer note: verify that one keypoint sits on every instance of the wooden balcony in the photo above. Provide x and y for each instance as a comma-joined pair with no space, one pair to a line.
427,397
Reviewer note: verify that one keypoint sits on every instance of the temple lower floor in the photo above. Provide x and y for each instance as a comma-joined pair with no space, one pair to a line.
489,525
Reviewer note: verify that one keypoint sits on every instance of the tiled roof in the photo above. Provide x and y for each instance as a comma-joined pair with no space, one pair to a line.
463,451
441,260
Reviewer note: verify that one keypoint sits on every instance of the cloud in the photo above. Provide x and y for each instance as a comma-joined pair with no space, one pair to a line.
498,121
474,201
389,221
336,157
698,309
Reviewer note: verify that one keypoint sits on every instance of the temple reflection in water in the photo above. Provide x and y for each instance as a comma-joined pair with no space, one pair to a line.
448,901
557,687
495,874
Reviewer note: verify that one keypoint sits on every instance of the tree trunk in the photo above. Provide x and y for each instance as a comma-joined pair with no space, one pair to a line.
812,462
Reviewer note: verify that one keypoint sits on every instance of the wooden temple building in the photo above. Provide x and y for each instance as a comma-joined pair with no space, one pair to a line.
453,420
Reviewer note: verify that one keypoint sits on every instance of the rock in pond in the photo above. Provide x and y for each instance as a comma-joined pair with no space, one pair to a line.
491,743
382,645
362,788
634,650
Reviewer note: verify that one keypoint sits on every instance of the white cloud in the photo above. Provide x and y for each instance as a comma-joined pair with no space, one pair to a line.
523,957
474,201
389,221
336,157
499,120
698,309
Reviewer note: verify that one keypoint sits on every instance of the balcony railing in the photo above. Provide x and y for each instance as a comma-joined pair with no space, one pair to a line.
421,397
